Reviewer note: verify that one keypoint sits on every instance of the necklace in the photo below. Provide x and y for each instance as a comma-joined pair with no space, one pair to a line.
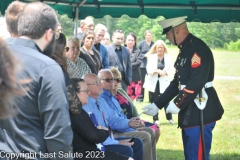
89,54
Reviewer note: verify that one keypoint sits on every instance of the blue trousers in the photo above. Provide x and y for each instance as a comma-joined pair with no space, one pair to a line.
135,151
192,141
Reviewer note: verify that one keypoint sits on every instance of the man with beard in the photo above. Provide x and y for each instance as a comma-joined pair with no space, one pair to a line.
41,128
119,57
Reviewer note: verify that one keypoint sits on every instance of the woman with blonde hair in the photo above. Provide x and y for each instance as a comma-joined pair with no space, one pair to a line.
159,70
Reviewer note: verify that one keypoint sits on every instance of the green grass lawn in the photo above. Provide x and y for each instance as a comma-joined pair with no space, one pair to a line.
226,134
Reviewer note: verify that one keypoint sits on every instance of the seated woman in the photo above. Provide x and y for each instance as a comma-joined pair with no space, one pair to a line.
87,137
89,55
77,67
84,134
126,103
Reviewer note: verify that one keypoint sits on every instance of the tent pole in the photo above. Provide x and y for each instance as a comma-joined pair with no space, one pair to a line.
76,21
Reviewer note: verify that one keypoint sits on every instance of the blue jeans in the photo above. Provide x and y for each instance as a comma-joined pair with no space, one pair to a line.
135,151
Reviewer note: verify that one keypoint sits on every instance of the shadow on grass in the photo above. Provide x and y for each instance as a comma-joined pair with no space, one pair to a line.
179,155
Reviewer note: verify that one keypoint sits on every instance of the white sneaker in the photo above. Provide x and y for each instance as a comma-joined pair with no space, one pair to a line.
157,122
171,121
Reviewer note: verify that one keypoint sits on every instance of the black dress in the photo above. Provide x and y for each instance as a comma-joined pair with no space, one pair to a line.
85,134
93,61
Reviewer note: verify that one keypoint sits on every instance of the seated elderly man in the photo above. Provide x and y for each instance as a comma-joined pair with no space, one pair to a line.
108,118
146,134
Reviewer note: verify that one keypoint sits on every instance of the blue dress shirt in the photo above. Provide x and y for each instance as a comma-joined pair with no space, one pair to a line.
111,118
114,105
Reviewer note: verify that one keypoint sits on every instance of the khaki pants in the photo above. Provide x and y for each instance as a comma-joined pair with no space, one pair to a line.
147,135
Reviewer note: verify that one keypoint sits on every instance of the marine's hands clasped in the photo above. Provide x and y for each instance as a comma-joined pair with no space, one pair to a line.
152,109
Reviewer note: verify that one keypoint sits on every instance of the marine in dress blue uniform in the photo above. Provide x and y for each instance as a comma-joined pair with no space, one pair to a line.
194,74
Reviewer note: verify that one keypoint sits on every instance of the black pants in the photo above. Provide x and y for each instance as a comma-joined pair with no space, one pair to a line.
152,97
143,74
124,85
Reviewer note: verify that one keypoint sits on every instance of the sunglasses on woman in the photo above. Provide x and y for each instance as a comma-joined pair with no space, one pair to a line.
118,80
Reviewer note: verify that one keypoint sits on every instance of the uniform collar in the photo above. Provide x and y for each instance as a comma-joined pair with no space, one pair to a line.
185,41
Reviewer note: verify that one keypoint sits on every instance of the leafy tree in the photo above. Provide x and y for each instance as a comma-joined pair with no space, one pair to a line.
67,25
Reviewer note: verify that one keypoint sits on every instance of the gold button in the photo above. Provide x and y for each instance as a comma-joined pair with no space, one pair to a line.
179,58
183,94
179,77
179,98
180,46
176,103
176,70
177,64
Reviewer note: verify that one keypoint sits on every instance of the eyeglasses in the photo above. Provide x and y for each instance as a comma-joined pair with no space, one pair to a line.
108,80
67,49
95,83
118,80
87,91
119,31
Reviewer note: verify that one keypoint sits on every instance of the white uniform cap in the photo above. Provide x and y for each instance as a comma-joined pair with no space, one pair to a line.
168,24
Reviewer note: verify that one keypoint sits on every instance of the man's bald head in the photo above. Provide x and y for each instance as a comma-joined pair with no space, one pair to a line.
86,24
94,84
90,77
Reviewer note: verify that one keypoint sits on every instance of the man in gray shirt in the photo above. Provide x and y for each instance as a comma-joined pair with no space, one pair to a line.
41,128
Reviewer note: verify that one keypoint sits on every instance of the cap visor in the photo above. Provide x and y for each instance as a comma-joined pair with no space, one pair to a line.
165,30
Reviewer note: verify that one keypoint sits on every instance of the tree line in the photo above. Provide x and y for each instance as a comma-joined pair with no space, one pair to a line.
215,34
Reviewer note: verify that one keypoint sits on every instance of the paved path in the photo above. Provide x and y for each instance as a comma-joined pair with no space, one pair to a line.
227,77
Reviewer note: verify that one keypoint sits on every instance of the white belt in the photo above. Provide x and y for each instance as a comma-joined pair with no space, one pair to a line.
207,85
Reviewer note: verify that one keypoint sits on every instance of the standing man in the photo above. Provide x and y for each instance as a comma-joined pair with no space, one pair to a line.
119,57
100,31
106,39
85,25
192,90
41,126
12,16
144,46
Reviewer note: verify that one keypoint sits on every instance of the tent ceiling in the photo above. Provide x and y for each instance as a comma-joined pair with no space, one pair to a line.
197,10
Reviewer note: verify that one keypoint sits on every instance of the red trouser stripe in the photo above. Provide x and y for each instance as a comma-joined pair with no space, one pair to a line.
200,151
